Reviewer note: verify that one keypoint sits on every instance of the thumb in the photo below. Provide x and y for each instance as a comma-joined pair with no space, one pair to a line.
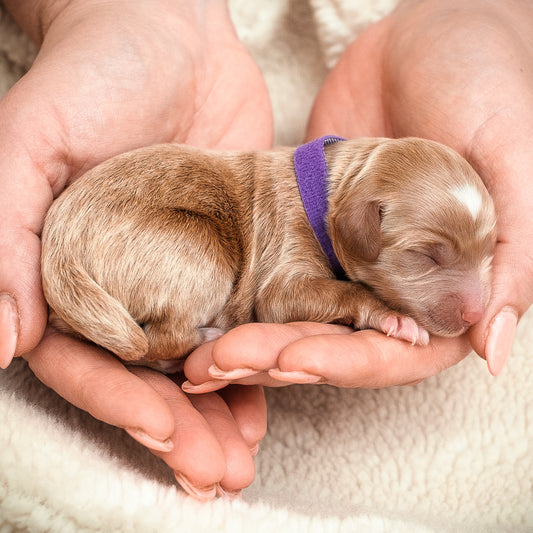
25,195
512,271
511,296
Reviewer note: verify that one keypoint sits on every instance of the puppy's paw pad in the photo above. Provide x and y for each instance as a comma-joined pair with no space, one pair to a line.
390,325
405,328
210,334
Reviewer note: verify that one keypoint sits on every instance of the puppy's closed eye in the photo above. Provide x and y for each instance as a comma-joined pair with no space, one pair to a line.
422,259
442,253
437,253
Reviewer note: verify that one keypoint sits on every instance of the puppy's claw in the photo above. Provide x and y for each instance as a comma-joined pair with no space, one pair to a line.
389,326
404,328
423,337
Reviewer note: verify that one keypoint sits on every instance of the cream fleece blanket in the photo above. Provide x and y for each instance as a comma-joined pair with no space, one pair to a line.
451,454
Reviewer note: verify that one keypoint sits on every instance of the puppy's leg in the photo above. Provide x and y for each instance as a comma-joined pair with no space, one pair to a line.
176,336
334,301
184,284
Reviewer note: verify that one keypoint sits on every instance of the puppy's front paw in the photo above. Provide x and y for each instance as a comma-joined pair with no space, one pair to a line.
405,328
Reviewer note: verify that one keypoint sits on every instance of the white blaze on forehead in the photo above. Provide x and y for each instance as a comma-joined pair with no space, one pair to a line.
470,197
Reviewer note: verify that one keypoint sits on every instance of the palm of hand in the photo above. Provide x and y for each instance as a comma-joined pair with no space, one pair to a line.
204,89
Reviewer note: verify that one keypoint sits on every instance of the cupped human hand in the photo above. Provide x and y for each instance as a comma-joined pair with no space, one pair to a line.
109,77
208,440
460,73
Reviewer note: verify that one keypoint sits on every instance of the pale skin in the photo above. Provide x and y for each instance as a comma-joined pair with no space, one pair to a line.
97,89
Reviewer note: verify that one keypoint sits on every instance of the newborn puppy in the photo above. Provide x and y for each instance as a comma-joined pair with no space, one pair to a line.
157,250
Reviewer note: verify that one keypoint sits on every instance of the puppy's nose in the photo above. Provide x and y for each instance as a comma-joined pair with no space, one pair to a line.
472,316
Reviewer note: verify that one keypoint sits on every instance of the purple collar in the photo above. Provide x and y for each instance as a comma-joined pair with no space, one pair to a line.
312,178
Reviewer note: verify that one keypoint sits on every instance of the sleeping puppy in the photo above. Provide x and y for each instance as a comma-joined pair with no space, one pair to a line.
158,250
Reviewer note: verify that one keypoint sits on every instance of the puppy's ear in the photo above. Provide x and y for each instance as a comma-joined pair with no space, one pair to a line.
356,230
356,202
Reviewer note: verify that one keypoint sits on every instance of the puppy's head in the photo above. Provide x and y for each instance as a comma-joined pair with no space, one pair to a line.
414,222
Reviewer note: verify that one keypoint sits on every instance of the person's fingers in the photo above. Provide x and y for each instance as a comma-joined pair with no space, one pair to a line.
273,354
366,359
240,469
196,370
255,347
215,437
248,407
25,195
245,354
93,380
23,312
506,174
198,457
196,441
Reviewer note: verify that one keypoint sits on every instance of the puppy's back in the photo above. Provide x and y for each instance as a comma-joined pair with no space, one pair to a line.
132,234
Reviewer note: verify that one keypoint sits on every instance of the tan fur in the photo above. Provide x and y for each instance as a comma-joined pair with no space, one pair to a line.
150,248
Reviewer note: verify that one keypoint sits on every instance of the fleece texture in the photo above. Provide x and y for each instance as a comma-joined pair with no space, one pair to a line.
453,453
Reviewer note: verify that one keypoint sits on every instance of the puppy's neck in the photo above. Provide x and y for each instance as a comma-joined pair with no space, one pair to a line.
312,178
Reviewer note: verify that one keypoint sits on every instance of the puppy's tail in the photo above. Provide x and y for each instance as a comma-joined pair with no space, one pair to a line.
87,310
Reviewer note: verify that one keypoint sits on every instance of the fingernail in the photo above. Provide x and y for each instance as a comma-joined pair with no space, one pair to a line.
500,340
9,322
228,494
207,386
150,442
254,450
231,375
203,494
296,376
